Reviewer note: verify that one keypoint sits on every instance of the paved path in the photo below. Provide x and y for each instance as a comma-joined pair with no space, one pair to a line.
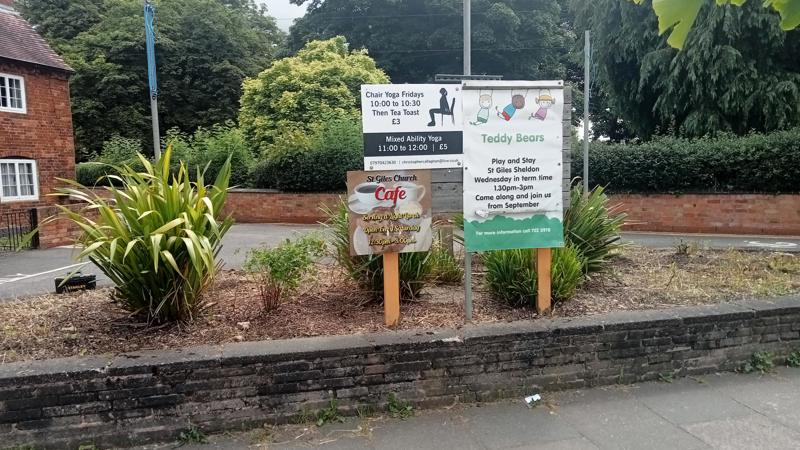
32,272
727,411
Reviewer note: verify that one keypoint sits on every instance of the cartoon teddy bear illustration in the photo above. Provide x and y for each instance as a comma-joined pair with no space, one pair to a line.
545,102
517,103
484,102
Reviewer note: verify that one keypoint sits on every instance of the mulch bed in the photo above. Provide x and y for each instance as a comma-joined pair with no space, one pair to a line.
90,322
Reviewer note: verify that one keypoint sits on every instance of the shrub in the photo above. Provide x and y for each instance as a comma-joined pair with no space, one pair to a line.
92,174
415,268
209,148
212,147
793,360
156,237
592,227
322,80
764,163
315,163
761,362
511,277
116,151
278,271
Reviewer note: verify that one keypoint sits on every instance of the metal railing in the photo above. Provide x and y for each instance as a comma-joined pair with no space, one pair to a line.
15,229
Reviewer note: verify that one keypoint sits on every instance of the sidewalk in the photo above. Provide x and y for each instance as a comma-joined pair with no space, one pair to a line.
723,411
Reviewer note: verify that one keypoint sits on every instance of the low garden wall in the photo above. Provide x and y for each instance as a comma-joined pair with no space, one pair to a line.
55,230
269,206
145,397
687,213
712,213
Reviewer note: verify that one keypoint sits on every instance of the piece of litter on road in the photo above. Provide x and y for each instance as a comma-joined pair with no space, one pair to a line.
531,399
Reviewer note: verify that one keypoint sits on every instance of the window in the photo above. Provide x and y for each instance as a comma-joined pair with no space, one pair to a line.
18,180
12,93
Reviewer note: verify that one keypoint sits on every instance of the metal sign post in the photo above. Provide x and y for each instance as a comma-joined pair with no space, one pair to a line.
467,73
587,49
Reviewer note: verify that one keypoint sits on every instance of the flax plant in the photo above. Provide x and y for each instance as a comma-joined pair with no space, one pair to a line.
155,234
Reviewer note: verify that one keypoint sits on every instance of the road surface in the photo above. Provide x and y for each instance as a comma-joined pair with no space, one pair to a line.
32,272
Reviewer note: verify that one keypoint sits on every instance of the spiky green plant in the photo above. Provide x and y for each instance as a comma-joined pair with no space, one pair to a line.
510,274
592,227
155,235
566,272
415,268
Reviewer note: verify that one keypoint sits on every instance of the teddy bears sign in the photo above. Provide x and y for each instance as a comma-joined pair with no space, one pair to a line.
513,164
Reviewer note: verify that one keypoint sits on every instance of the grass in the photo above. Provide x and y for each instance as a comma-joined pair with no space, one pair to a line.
662,278
329,414
364,411
303,417
397,408
666,377
193,435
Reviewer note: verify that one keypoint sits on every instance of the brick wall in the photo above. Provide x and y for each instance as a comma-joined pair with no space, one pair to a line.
712,213
43,133
153,396
54,229
689,213
265,206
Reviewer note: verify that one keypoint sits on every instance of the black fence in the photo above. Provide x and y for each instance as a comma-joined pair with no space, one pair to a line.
16,228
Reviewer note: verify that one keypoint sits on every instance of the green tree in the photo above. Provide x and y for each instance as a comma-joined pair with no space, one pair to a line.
678,16
204,50
413,40
737,73
322,81
61,20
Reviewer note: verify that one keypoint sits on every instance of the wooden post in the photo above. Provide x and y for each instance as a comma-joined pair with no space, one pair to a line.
391,289
543,301
446,237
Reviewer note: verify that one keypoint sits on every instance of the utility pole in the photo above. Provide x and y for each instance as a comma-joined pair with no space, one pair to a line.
587,83
150,38
467,255
467,39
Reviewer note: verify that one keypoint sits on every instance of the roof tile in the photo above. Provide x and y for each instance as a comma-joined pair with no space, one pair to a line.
20,42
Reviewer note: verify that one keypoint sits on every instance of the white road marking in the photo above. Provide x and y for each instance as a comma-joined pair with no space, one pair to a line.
22,276
772,244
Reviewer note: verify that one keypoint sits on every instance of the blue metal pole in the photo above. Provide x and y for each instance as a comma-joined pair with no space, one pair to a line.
150,39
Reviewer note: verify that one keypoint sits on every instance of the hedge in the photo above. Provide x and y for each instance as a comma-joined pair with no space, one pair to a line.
757,163
317,163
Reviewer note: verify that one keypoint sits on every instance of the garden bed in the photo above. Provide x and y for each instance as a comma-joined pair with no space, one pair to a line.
328,304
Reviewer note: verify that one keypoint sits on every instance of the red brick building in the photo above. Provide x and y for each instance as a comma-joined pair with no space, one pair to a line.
36,142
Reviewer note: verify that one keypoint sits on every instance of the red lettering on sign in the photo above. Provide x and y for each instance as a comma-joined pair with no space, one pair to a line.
395,194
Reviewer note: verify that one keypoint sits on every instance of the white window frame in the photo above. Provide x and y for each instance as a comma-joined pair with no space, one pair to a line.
24,109
19,197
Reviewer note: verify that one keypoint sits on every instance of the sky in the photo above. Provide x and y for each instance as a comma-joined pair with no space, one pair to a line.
283,12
